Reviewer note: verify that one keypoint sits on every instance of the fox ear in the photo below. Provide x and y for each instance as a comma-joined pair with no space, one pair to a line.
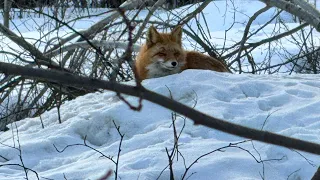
176,34
153,36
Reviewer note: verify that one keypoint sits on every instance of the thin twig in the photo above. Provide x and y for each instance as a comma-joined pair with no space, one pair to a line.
85,145
116,172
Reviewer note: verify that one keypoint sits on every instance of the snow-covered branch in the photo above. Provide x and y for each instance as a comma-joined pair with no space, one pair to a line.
298,8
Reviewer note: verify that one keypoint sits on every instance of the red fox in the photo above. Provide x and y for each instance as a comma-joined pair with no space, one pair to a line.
162,55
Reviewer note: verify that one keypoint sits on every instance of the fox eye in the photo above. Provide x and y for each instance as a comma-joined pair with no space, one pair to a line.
161,54
176,54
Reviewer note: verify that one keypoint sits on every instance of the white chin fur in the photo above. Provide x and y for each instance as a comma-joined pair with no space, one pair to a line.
160,68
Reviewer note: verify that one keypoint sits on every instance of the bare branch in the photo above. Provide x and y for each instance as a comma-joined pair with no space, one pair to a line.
97,27
146,20
256,44
116,172
85,145
27,46
97,43
246,31
191,15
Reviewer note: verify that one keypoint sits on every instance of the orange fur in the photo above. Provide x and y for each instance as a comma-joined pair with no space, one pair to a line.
162,55
196,60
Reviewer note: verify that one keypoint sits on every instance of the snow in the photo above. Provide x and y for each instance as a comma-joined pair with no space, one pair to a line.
287,105
283,104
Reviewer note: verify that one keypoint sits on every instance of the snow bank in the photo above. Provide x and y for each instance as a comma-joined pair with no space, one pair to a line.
287,105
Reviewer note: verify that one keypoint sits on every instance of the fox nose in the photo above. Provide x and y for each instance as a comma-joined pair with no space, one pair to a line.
174,63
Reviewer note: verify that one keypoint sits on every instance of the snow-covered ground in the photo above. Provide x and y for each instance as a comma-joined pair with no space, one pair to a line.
288,105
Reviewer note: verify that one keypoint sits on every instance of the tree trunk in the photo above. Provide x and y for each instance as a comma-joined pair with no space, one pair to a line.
6,14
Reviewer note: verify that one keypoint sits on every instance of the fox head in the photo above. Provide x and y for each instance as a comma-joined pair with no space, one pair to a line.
164,51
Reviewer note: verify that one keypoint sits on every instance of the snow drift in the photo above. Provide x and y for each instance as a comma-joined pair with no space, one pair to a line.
288,105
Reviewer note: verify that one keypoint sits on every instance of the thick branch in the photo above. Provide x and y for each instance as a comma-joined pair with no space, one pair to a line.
97,43
196,116
295,10
316,176
307,7
6,12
